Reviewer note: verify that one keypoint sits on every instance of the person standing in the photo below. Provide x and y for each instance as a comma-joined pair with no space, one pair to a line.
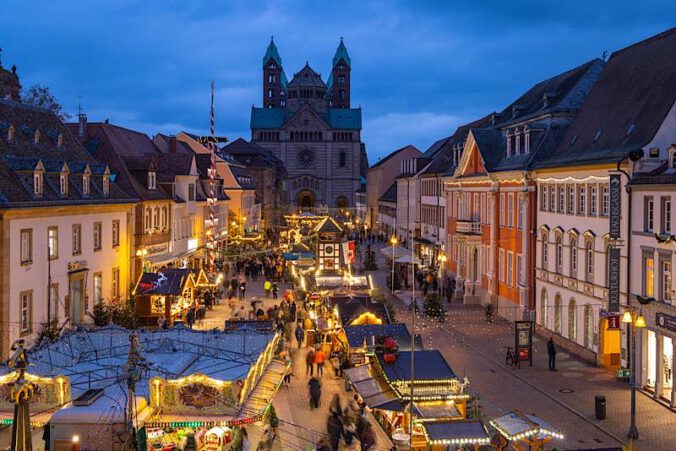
275,290
315,392
551,351
310,362
319,360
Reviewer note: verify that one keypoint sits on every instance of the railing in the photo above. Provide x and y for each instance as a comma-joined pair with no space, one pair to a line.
150,239
468,227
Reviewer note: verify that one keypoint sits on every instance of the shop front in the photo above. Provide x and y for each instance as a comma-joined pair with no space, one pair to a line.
658,348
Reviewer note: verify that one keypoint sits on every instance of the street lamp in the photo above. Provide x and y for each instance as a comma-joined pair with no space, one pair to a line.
632,325
394,242
442,267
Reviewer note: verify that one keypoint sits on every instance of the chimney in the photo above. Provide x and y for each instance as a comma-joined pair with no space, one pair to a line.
82,129
172,144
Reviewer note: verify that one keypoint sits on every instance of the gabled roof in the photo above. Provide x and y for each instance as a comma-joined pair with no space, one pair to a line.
395,153
328,225
306,78
626,107
252,155
390,195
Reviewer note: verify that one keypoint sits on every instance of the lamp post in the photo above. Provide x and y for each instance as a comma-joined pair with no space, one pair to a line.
394,241
441,258
632,326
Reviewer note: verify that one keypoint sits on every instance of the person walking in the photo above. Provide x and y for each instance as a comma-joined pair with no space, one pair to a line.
310,362
315,388
300,334
275,290
319,360
551,351
335,429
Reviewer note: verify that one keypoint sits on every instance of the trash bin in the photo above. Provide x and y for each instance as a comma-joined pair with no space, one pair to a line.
600,407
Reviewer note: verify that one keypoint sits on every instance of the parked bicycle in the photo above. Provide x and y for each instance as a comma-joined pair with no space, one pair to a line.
511,358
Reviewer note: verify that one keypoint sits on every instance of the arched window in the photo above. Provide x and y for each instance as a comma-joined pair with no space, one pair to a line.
557,313
572,320
573,257
543,308
588,327
305,182
559,254
342,159
589,256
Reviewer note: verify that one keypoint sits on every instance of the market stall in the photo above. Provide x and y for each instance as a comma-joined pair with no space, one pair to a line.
362,342
525,431
168,294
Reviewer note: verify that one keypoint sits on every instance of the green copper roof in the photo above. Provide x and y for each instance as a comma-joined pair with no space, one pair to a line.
335,118
341,52
272,52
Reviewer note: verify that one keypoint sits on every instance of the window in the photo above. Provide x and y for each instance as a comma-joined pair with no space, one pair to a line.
605,201
557,313
26,304
545,256
156,218
649,281
10,133
543,199
106,185
573,257
590,258
593,198
572,320
85,185
519,269
77,239
26,246
63,183
571,199
588,326
559,254
673,159
501,269
165,218
581,200
97,236
648,214
191,192
149,219
115,285
37,183
502,209
543,308
98,288
562,199
53,242
152,180
342,159
510,210
36,137
519,213
271,93
666,215
552,198
510,268
666,282
116,232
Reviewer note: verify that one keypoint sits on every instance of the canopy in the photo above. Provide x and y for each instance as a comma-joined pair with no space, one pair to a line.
406,259
456,432
515,424
399,251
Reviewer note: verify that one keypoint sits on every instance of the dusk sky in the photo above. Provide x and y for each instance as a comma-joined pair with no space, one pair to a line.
419,69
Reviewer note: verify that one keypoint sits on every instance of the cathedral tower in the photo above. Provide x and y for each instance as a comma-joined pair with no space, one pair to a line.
340,78
274,80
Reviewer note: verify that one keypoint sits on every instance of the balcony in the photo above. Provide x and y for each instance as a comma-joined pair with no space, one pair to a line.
468,227
150,239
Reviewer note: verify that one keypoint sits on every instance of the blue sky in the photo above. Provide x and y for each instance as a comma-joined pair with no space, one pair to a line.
419,68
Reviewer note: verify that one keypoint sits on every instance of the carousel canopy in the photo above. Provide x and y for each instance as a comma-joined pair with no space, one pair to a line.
429,365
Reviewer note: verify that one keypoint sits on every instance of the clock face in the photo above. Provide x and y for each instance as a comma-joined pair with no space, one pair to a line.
328,250
306,157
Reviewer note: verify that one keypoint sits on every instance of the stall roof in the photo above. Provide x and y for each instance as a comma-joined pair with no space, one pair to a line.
516,423
353,307
429,364
357,334
463,431
168,282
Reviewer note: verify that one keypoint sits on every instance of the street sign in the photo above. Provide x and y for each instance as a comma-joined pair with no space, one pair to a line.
614,280
613,322
615,205
624,373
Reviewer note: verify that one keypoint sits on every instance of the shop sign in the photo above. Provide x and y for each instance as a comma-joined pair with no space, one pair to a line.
357,358
77,265
523,340
615,205
613,322
614,280
155,249
666,321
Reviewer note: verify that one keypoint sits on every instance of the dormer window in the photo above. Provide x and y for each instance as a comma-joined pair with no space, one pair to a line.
672,158
10,133
36,137
509,143
152,180
37,183
106,185
517,142
59,141
63,183
526,140
85,184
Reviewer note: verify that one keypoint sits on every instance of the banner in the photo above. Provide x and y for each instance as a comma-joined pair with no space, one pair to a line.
614,280
349,252
615,205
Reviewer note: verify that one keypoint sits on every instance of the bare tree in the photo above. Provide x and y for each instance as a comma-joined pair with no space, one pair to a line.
41,96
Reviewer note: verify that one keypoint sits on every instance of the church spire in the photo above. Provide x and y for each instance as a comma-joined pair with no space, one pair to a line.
341,53
272,53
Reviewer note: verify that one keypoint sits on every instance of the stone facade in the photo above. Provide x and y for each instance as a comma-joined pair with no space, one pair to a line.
308,125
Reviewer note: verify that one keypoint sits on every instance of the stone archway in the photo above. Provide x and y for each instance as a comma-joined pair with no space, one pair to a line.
305,199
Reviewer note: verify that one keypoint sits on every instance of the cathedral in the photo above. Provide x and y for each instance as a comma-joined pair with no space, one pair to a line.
309,125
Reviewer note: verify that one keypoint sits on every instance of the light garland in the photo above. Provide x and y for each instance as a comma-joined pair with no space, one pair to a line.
573,179
196,424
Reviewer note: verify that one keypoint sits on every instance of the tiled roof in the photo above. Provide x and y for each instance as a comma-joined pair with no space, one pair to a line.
272,53
335,118
396,152
253,155
306,78
391,194
21,155
626,107
243,177
341,53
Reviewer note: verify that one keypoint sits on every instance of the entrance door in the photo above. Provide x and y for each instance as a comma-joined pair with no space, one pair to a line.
76,297
305,199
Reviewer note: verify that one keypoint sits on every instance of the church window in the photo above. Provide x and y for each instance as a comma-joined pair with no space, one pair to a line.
341,94
37,137
271,93
10,133
305,182
342,159
320,136
272,78
59,141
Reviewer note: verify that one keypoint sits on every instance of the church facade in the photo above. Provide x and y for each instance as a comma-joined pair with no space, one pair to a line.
310,126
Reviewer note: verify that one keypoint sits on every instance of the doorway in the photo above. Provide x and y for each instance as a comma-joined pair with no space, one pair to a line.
305,199
76,297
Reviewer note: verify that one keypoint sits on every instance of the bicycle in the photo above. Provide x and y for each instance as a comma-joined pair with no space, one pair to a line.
511,358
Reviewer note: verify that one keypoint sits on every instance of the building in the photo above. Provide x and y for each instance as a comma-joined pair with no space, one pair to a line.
64,224
408,205
387,211
134,163
309,125
630,108
269,176
379,179
492,195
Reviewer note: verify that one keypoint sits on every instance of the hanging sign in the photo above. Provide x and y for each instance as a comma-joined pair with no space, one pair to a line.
613,322
615,205
349,252
666,321
614,280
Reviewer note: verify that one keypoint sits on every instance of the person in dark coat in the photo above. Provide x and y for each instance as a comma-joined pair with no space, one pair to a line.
299,336
367,437
335,429
551,351
315,392
310,362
